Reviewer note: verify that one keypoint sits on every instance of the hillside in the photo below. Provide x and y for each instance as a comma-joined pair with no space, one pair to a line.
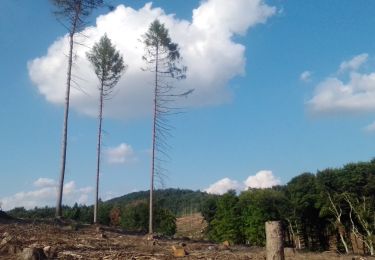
179,201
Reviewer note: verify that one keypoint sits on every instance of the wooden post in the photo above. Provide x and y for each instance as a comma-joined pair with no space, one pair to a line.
274,241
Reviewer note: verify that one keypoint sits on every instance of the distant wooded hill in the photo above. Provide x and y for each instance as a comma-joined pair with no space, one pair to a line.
178,201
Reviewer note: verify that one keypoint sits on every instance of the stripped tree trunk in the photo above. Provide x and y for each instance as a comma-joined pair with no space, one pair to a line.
274,241
73,12
65,126
337,212
152,176
100,119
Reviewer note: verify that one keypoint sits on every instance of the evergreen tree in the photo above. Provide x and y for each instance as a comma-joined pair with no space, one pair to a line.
109,66
227,225
73,12
163,59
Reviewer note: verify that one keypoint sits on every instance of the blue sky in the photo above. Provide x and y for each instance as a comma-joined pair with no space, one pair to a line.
282,88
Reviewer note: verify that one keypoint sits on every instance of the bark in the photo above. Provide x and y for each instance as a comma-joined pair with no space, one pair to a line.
65,129
150,226
64,145
274,241
100,119
344,242
368,237
295,235
338,224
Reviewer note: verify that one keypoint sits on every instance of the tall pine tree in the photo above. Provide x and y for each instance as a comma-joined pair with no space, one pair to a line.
109,66
72,13
163,59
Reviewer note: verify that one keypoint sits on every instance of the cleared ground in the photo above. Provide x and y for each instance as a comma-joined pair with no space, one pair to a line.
57,240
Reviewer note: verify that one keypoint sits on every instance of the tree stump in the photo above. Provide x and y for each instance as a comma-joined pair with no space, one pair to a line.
274,241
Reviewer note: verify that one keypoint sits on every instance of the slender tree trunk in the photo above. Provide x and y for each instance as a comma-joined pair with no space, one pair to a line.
338,224
344,242
100,119
150,227
65,126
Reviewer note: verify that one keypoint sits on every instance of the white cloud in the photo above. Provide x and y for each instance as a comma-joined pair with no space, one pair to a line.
334,95
123,153
46,195
354,64
223,185
262,179
207,45
305,76
356,94
44,182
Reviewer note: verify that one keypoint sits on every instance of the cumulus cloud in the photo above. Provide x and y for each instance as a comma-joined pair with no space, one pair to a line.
207,45
223,185
355,63
262,179
305,76
122,153
46,195
355,94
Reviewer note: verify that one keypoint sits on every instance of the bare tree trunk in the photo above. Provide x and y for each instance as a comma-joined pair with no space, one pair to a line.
338,224
295,238
342,238
100,118
367,237
150,227
65,127
274,241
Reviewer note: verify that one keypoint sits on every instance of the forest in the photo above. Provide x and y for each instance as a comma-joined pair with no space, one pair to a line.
332,209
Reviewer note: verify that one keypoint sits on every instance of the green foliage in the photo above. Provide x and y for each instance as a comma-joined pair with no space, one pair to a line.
107,62
302,205
305,218
208,208
135,218
226,223
162,52
258,206
104,213
67,8
178,201
74,213
79,213
164,221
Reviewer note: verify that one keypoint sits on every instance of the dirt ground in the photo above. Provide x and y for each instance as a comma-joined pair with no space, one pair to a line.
57,240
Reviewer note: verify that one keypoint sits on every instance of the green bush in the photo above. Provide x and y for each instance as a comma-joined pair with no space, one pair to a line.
135,217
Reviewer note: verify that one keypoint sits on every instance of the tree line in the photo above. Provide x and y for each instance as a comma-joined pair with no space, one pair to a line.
130,211
333,209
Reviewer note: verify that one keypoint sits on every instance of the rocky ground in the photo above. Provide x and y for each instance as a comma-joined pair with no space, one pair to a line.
58,240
